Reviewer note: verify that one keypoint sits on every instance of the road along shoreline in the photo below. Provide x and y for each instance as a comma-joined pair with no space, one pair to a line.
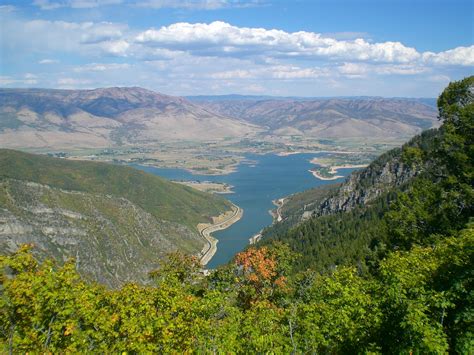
223,221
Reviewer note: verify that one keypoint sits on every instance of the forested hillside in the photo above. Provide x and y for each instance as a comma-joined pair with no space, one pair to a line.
403,197
349,222
118,222
397,275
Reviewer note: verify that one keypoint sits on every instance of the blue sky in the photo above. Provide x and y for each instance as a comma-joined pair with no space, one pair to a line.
191,47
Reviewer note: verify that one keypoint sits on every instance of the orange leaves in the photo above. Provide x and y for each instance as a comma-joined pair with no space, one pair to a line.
260,275
281,281
257,264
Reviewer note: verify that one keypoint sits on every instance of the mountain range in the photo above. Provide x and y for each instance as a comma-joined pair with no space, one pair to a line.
44,118
381,263
108,117
330,117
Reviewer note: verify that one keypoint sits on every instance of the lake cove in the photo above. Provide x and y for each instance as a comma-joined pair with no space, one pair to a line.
259,179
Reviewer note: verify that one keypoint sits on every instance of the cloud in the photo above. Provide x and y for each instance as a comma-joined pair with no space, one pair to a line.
27,79
100,32
155,4
457,56
198,4
283,72
221,39
95,67
404,69
67,82
7,8
75,4
362,70
83,38
353,69
190,58
346,35
117,48
48,61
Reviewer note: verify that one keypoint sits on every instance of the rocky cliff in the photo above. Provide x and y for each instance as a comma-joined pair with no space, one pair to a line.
366,185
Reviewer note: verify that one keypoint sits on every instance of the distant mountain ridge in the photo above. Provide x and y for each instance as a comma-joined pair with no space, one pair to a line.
360,117
429,101
106,117
110,117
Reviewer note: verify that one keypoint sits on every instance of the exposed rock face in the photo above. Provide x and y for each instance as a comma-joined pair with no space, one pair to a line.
366,185
112,239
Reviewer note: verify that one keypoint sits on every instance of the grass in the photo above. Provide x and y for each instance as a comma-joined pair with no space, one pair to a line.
163,199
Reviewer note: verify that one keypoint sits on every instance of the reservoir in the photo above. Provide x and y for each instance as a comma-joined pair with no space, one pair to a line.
258,180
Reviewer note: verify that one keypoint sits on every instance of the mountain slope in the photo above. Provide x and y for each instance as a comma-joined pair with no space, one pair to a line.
44,118
118,221
417,297
331,118
411,195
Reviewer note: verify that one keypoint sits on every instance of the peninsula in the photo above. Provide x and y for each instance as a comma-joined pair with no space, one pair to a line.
326,172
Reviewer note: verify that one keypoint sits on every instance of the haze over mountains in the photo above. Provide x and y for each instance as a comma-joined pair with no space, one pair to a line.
55,119
329,117
106,117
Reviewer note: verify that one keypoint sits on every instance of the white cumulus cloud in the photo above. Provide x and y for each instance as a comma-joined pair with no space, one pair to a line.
457,56
222,39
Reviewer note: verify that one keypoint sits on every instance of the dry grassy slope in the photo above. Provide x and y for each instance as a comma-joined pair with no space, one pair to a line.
42,118
332,118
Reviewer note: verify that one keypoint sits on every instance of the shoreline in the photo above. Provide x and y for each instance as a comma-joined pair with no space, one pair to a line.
317,175
228,169
315,161
205,230
207,186
285,154
277,214
332,169
256,238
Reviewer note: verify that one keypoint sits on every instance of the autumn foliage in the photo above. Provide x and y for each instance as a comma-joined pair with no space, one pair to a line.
259,274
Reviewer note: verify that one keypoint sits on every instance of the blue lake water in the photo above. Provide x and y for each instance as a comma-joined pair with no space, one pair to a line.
258,180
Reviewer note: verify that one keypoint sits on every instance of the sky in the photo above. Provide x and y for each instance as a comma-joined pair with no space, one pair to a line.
252,47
